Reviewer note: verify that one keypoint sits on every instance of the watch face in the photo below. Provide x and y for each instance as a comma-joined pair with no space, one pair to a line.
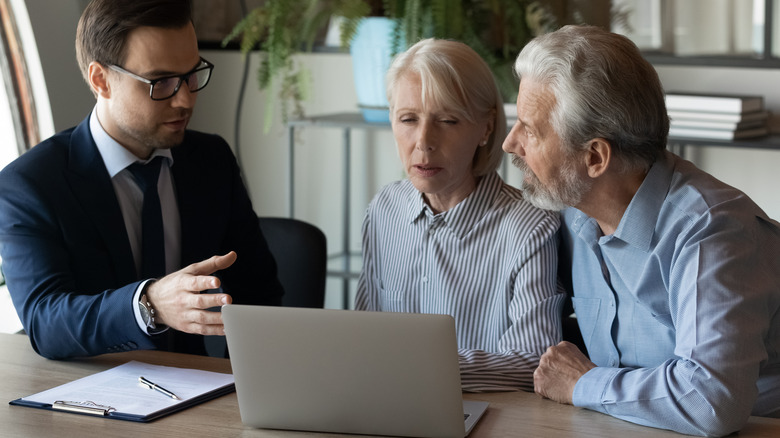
146,316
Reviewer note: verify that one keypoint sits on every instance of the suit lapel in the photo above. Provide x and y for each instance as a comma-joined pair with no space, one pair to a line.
188,177
92,187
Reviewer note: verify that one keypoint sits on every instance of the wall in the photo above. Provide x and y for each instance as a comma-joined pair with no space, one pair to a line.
54,25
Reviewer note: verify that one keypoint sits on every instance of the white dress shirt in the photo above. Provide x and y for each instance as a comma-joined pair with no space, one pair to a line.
117,158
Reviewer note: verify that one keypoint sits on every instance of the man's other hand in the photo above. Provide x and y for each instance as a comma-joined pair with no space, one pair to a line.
560,367
178,301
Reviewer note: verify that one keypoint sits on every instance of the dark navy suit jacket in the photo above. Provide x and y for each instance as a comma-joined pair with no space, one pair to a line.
66,256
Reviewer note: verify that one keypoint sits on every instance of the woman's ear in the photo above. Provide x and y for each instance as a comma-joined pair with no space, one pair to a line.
98,79
489,127
598,157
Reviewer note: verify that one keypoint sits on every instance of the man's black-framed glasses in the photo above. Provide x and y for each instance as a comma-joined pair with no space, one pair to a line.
167,86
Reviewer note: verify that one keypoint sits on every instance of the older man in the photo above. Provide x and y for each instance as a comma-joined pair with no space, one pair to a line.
675,275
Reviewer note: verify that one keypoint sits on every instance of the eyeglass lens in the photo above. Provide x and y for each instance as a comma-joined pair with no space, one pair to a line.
167,87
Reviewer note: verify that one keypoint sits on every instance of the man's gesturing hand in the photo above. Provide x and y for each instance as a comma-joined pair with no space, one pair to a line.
560,367
179,304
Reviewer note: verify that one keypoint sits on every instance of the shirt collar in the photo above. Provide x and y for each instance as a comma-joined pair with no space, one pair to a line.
416,206
461,218
640,218
638,223
115,156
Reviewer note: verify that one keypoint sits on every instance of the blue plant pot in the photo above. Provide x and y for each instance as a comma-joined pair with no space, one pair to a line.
371,51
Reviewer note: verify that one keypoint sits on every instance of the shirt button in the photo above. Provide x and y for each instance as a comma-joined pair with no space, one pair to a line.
424,279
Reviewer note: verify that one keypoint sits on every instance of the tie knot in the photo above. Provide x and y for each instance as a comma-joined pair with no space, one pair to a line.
146,175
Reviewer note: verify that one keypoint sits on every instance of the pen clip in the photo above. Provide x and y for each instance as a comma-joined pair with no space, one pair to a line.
85,407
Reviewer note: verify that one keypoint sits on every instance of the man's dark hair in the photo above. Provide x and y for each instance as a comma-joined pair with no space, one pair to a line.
104,25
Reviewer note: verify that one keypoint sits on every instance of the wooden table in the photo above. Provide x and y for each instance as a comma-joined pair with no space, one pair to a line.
23,373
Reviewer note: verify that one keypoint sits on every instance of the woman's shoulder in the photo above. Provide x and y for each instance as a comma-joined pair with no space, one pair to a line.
512,198
518,218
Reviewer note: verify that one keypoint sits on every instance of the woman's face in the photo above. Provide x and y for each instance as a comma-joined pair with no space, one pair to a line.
436,146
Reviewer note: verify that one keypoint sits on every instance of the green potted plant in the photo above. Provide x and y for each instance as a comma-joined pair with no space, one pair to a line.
284,28
496,29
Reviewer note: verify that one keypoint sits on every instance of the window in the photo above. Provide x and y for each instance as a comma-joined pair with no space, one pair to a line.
25,116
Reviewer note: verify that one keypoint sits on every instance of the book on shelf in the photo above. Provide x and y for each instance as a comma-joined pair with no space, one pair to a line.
682,116
710,124
717,134
718,103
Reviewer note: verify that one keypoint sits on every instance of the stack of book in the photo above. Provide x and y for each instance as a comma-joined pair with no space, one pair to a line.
716,117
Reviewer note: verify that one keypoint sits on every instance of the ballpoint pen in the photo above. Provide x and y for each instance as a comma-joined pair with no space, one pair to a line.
149,384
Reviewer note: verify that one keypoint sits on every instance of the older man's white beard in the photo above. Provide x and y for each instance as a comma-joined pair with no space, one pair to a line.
566,190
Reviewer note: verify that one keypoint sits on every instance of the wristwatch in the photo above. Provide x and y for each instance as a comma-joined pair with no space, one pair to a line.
147,312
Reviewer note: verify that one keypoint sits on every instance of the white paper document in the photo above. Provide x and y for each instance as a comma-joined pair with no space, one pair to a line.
119,391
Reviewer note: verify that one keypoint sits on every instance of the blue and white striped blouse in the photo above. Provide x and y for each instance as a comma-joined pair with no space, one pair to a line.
490,262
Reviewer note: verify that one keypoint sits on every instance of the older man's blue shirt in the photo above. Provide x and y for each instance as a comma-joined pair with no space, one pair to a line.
679,307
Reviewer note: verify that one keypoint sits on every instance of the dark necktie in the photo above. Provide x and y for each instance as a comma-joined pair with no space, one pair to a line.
152,242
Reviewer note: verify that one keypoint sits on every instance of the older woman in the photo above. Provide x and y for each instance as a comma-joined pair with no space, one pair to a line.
453,238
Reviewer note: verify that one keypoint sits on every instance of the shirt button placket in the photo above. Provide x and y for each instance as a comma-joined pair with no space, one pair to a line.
430,234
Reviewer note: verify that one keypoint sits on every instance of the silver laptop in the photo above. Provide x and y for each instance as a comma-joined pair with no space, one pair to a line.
373,373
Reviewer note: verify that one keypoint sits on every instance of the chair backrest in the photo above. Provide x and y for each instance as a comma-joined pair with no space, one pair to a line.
300,250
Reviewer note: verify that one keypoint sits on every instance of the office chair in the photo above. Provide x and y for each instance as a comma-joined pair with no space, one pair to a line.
300,250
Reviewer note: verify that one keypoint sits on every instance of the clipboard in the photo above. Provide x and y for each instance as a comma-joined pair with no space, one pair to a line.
115,393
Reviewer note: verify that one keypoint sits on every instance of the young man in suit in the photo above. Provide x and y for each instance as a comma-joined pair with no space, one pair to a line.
87,269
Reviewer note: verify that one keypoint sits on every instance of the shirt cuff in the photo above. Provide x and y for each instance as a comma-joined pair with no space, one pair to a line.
590,388
137,312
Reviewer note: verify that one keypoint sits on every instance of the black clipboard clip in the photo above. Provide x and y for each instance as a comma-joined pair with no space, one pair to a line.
85,407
